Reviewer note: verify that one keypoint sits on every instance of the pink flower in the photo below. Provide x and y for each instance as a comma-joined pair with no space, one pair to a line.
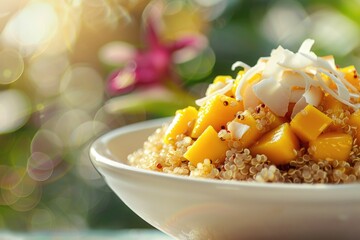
152,65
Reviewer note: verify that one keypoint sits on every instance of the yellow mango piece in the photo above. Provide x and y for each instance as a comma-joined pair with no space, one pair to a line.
330,103
182,123
331,146
309,123
350,74
222,78
207,146
280,145
254,131
273,120
216,112
334,110
354,121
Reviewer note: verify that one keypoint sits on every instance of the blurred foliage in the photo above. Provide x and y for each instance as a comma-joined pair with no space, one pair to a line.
53,98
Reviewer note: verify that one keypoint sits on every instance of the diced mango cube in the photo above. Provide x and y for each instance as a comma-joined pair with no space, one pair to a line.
182,123
254,131
309,123
273,120
329,103
351,75
354,121
331,146
207,146
280,145
216,112
334,110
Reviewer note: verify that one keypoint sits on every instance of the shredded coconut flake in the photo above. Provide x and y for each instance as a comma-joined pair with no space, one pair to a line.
299,105
214,87
240,64
247,76
227,87
306,46
300,77
274,95
313,96
296,95
237,130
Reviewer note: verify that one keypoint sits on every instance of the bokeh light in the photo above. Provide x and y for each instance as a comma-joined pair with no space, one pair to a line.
11,66
82,87
116,53
87,172
48,143
335,31
86,131
42,219
8,7
18,190
27,203
46,72
32,27
40,166
25,186
293,30
99,13
15,110
67,123
198,67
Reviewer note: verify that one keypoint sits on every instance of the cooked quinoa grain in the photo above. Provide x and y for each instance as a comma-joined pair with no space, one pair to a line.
240,165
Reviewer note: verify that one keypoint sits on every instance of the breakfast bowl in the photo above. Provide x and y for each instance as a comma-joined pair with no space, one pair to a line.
197,208
272,152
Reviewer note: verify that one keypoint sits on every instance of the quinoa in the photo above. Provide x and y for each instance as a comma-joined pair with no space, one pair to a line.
240,165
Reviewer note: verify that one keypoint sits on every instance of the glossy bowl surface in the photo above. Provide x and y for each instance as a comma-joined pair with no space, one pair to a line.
193,208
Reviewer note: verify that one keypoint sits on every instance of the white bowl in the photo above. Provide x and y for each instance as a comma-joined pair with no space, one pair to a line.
193,208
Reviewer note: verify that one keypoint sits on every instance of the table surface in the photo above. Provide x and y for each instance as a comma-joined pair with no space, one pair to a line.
133,234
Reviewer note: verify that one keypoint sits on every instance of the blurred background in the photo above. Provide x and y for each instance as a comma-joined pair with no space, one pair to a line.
71,70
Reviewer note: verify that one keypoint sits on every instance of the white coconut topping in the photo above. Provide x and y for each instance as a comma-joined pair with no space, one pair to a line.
306,46
270,91
296,95
301,78
299,105
213,87
259,67
240,64
221,89
284,70
237,130
293,79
